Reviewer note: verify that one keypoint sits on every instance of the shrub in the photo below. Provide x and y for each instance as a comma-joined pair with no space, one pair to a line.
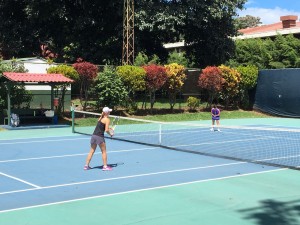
211,80
109,89
230,89
175,81
156,77
87,73
179,58
133,77
193,103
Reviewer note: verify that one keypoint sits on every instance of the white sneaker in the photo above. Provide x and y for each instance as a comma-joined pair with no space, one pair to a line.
211,129
219,130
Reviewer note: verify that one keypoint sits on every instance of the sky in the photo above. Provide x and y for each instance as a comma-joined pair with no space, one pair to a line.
269,11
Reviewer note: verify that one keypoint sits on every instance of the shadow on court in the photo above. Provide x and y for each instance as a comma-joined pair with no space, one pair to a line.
274,212
111,165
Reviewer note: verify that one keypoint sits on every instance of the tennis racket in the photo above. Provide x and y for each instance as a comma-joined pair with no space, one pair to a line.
114,125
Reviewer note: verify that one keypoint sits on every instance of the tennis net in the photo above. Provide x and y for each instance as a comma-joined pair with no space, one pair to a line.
264,145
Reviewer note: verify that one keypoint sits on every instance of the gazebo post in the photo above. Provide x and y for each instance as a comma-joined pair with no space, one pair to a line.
8,87
52,97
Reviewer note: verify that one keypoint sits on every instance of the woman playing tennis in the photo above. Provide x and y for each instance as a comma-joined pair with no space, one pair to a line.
215,117
98,139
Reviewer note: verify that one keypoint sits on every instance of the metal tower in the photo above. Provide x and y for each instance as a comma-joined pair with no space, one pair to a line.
128,33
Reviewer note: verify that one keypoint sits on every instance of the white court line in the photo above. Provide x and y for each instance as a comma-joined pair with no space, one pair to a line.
42,141
136,191
10,139
23,181
123,177
74,155
219,142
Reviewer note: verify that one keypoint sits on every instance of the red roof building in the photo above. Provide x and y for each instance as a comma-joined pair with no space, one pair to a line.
288,25
32,79
37,77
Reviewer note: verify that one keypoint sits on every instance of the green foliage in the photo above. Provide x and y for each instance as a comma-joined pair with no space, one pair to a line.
230,88
283,52
154,60
60,24
193,103
208,28
179,58
67,71
175,81
142,59
249,76
19,95
93,29
109,89
133,77
246,22
254,52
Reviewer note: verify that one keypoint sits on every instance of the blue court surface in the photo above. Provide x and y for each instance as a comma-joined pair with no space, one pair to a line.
42,181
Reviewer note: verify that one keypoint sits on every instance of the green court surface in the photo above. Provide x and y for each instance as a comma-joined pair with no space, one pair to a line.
271,198
35,133
38,133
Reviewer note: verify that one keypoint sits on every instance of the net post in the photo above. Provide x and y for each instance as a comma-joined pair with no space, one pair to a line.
73,117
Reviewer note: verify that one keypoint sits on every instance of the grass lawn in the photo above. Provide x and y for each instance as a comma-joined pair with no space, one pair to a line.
237,114
183,116
162,112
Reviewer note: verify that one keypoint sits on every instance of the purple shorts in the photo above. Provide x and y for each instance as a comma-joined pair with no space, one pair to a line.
95,139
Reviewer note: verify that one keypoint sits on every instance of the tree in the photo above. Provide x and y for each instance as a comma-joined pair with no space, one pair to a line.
157,22
156,77
110,90
256,52
93,29
67,71
211,79
283,52
175,81
179,58
87,73
142,59
208,28
89,29
246,22
286,53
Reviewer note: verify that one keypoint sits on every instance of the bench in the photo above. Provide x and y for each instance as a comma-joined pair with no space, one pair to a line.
29,115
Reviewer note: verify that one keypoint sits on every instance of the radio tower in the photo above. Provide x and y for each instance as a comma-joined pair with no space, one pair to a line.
128,33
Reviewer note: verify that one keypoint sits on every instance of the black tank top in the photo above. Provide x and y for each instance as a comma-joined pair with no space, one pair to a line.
99,130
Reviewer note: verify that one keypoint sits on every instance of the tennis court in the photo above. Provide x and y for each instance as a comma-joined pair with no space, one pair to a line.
42,180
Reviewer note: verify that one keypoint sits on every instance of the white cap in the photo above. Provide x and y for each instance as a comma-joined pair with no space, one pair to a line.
106,110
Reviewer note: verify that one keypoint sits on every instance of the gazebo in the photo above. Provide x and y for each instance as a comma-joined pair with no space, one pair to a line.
33,79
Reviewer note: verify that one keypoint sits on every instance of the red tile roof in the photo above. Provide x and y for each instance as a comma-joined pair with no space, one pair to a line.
266,28
37,77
